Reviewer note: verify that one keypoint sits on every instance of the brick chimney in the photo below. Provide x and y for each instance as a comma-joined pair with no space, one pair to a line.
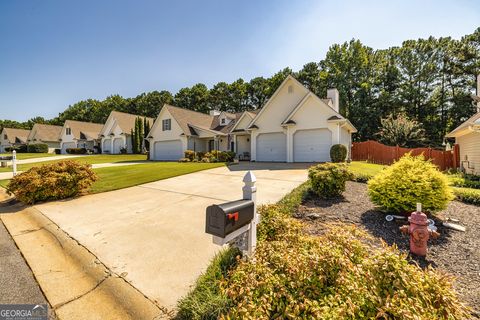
335,97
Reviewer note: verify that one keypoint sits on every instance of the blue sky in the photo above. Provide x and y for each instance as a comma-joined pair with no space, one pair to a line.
54,53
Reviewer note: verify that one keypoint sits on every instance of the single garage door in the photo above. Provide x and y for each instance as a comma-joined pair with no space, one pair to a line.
312,145
168,150
117,145
106,146
67,145
272,147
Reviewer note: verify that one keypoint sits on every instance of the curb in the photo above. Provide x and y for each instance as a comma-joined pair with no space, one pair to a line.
76,284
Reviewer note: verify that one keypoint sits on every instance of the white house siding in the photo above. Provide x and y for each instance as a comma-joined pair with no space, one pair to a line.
276,111
243,144
346,140
158,135
243,123
66,141
470,151
3,143
198,145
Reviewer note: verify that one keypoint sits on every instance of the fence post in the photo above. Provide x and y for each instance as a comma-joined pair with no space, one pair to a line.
14,162
250,193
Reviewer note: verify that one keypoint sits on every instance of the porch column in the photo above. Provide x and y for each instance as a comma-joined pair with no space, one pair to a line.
111,144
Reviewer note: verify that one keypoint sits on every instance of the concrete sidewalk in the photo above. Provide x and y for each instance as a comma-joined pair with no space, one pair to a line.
154,234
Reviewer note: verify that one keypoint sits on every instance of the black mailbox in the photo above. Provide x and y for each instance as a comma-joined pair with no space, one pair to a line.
223,219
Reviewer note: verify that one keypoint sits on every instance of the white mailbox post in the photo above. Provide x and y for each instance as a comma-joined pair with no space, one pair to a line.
14,162
249,193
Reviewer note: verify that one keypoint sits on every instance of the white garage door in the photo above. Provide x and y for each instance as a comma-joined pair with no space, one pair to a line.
168,150
107,144
117,145
272,147
312,145
67,145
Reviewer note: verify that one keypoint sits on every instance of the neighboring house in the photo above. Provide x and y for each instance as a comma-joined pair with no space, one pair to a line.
116,132
45,133
78,134
293,126
13,138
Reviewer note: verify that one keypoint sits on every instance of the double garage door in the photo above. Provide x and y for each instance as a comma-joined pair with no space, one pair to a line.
168,150
308,146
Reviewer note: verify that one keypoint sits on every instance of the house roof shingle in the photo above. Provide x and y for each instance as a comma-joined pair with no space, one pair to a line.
16,135
46,132
126,121
84,130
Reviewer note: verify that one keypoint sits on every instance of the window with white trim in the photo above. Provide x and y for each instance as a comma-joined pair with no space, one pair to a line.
166,124
222,121
68,131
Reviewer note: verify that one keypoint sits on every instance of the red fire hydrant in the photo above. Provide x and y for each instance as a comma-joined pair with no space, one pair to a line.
419,232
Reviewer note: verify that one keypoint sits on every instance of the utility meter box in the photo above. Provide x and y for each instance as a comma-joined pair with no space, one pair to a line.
223,219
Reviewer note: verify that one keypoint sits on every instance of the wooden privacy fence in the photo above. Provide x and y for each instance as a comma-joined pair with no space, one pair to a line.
375,152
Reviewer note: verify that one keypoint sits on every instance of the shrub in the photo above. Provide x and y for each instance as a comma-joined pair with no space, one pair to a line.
361,177
22,148
58,151
37,148
464,181
410,180
10,149
184,160
53,181
338,153
205,160
206,301
226,156
190,154
328,179
471,196
200,155
123,150
338,275
76,150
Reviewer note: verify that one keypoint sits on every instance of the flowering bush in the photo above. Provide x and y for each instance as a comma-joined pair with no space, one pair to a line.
53,181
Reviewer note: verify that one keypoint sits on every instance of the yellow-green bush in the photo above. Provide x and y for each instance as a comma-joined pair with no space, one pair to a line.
53,181
328,179
399,187
339,275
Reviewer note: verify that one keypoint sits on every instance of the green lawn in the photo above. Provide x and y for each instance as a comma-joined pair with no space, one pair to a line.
91,159
362,167
23,156
113,178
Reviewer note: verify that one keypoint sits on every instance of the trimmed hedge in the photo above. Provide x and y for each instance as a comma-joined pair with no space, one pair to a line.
59,180
399,187
76,150
328,179
471,196
37,148
338,153
212,156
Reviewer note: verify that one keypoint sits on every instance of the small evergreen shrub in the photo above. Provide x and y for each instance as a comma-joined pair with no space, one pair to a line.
184,160
10,149
37,148
123,150
190,154
471,196
59,180
58,151
338,153
328,179
226,156
22,148
76,150
400,186
362,177
464,181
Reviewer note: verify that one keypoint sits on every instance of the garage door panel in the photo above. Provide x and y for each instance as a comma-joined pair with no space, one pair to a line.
168,150
272,147
107,143
312,145
66,146
117,145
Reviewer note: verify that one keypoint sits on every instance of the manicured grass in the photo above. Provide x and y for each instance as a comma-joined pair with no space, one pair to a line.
24,156
114,178
90,159
365,168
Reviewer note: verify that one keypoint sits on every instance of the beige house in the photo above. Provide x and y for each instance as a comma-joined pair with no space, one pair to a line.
467,136
293,126
116,132
13,138
45,133
78,134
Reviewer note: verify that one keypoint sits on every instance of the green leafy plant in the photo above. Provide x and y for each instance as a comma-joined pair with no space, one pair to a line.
401,131
399,187
338,153
190,154
37,148
471,196
328,179
76,150
184,160
53,181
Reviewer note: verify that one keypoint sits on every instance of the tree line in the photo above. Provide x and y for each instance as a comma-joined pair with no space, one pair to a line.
426,80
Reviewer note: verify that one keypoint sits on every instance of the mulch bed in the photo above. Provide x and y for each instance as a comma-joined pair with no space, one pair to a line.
455,252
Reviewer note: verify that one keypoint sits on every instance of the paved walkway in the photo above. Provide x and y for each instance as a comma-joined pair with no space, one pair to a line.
43,159
153,235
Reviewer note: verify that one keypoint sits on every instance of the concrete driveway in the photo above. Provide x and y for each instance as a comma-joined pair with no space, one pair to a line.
153,235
